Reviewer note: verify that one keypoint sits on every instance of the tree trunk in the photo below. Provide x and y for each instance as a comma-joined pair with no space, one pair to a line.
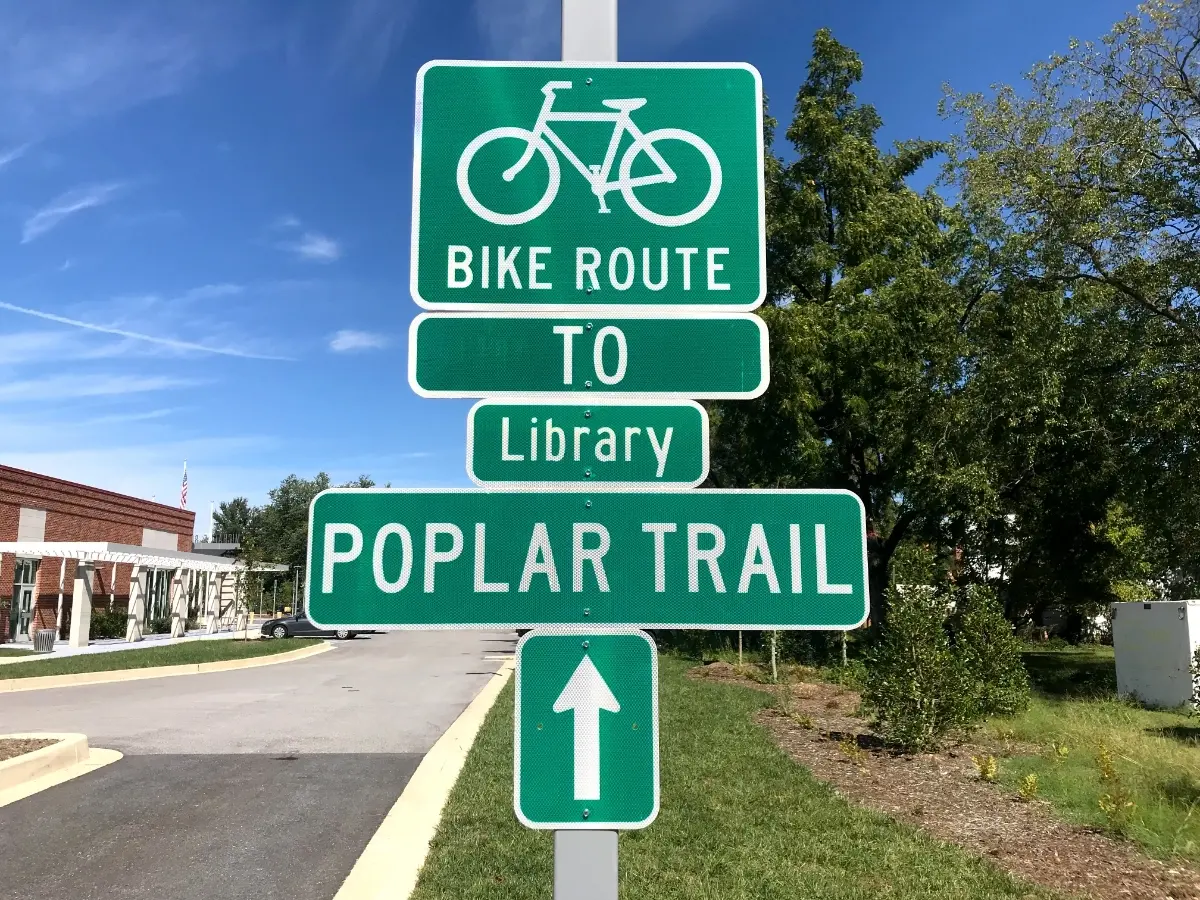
879,560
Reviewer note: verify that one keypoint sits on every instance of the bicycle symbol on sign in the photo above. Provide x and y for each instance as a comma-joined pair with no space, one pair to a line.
542,139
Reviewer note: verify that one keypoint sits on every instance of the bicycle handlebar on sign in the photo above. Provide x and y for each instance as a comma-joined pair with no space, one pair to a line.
551,86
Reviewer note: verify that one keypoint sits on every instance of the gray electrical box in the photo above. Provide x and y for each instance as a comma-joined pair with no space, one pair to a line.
1154,644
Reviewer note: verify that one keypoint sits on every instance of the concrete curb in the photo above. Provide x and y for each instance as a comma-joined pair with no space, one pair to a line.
42,682
69,749
32,772
391,862
249,635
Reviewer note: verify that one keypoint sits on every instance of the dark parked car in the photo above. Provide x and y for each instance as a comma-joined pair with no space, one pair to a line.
300,626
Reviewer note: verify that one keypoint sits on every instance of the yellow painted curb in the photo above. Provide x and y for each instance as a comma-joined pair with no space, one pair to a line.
70,762
392,860
41,682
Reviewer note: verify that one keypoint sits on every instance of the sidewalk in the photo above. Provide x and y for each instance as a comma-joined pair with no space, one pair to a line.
112,645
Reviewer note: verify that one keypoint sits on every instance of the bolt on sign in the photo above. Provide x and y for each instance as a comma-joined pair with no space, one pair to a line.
754,559
614,185
586,730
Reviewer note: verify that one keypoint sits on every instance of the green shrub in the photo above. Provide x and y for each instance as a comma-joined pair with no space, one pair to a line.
990,654
107,624
160,625
811,648
852,675
917,686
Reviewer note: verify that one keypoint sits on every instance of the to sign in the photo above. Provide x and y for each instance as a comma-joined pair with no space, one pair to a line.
586,740
632,444
617,185
761,559
514,354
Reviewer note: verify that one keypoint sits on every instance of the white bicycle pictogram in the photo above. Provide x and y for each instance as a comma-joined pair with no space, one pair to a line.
542,139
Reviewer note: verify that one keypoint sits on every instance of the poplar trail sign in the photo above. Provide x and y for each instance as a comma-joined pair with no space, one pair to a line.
755,559
600,184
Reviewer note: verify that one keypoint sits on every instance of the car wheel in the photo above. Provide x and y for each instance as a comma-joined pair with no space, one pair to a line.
279,631
343,634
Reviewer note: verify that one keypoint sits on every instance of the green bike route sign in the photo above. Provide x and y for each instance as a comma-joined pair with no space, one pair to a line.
540,185
630,444
586,730
546,353
722,559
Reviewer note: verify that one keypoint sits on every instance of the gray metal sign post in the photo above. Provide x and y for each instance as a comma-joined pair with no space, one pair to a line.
585,862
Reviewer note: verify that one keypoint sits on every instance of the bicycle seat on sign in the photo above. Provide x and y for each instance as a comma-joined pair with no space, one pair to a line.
627,105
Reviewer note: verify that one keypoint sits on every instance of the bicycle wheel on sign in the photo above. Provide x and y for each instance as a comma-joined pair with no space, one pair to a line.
506,164
646,144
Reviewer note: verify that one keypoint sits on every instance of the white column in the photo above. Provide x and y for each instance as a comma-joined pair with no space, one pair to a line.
62,583
81,605
178,605
137,604
215,603
112,588
240,607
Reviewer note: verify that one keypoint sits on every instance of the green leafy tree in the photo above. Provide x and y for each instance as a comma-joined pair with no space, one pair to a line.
279,529
232,517
1091,175
866,291
1082,198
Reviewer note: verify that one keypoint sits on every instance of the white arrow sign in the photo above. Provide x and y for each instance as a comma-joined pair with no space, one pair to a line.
587,693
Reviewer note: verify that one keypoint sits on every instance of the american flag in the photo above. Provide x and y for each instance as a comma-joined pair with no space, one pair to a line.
183,489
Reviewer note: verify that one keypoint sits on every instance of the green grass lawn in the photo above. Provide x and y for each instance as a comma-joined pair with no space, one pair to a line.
739,821
1155,753
14,651
174,655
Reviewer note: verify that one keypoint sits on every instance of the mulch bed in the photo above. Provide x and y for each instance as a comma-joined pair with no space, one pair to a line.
943,794
10,747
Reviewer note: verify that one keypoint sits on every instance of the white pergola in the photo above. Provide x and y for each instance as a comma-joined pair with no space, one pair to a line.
88,554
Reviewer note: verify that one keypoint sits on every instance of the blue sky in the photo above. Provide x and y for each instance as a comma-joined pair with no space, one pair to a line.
204,209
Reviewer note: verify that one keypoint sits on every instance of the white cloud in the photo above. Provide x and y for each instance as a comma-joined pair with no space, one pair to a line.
13,154
352,38
63,387
316,247
210,292
520,29
138,336
216,468
68,61
122,418
65,205
369,32
667,23
347,340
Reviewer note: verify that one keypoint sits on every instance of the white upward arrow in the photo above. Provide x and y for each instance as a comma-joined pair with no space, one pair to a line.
587,694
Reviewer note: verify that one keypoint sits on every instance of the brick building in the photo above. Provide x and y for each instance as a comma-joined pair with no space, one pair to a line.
38,508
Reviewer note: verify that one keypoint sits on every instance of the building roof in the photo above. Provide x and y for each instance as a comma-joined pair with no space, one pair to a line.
96,551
